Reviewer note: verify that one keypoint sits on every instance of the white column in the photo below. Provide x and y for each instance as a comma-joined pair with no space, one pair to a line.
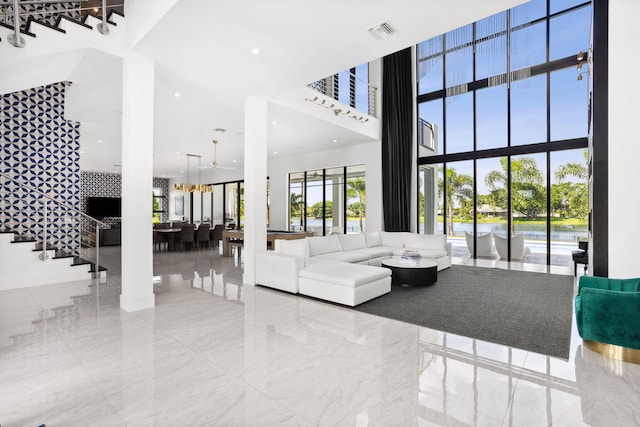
137,182
255,184
624,151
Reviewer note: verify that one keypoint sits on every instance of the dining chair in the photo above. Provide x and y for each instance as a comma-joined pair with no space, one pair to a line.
187,235
159,240
202,235
216,234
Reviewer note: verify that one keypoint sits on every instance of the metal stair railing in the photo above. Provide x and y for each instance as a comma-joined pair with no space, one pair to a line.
18,41
87,228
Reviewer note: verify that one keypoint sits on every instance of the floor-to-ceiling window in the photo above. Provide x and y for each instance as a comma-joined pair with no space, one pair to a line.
502,130
328,201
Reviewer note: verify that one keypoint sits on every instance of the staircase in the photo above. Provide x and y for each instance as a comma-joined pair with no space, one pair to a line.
22,265
54,16
26,256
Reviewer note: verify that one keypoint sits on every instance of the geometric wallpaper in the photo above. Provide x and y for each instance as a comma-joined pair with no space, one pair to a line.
99,184
41,148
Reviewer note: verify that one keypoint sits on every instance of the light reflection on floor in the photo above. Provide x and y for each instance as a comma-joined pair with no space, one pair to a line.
215,352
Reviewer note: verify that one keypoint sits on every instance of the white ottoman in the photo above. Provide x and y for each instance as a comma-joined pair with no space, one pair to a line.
344,283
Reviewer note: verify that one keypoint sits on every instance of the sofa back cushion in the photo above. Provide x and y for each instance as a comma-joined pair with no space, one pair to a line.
351,242
372,238
395,239
296,247
624,285
323,244
425,241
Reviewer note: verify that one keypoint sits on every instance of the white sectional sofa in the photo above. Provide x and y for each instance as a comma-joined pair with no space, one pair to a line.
283,267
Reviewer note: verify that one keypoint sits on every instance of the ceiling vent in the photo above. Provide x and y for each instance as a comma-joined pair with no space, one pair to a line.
382,31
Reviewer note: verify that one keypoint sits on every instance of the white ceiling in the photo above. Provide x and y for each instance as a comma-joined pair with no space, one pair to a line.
203,51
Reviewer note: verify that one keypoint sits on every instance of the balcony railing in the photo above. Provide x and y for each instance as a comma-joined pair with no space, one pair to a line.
348,89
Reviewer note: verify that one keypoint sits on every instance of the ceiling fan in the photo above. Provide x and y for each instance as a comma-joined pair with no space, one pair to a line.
215,162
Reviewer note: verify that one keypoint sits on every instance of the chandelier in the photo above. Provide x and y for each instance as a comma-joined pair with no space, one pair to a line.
191,188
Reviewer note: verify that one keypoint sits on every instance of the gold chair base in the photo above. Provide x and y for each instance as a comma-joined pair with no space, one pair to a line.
612,351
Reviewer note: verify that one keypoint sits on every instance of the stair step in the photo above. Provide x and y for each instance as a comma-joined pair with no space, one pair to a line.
38,247
44,24
23,239
26,33
93,268
82,261
62,254
81,23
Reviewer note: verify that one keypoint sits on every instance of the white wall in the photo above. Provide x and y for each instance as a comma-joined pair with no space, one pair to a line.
368,154
624,149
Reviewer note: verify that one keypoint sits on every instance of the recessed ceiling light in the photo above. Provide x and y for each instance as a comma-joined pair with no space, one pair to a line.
177,152
181,171
274,123
99,141
234,161
275,152
255,51
177,94
335,140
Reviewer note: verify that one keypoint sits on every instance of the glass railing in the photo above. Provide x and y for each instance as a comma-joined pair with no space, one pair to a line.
33,215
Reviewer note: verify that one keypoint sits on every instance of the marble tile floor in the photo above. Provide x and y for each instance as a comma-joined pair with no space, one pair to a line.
213,352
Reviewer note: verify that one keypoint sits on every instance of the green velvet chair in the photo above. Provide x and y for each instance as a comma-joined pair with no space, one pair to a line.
608,316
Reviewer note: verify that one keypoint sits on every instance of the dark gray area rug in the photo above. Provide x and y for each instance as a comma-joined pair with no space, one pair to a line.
530,311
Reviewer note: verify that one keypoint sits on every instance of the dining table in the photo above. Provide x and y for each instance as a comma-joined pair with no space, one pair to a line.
236,237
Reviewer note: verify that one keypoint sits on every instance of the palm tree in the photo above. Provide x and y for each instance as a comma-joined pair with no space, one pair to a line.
577,170
296,203
459,189
575,199
526,182
356,189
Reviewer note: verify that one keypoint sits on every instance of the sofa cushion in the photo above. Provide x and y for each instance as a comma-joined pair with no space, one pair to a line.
377,251
372,238
342,273
395,239
425,253
350,242
323,244
425,241
296,247
344,256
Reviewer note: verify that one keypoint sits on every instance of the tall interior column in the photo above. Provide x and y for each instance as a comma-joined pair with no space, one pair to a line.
137,182
255,183
623,149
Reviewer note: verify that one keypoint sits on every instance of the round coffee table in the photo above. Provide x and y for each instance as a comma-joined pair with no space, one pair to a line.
423,272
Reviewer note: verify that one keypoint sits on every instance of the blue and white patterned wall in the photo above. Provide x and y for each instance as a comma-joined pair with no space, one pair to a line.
100,184
41,148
